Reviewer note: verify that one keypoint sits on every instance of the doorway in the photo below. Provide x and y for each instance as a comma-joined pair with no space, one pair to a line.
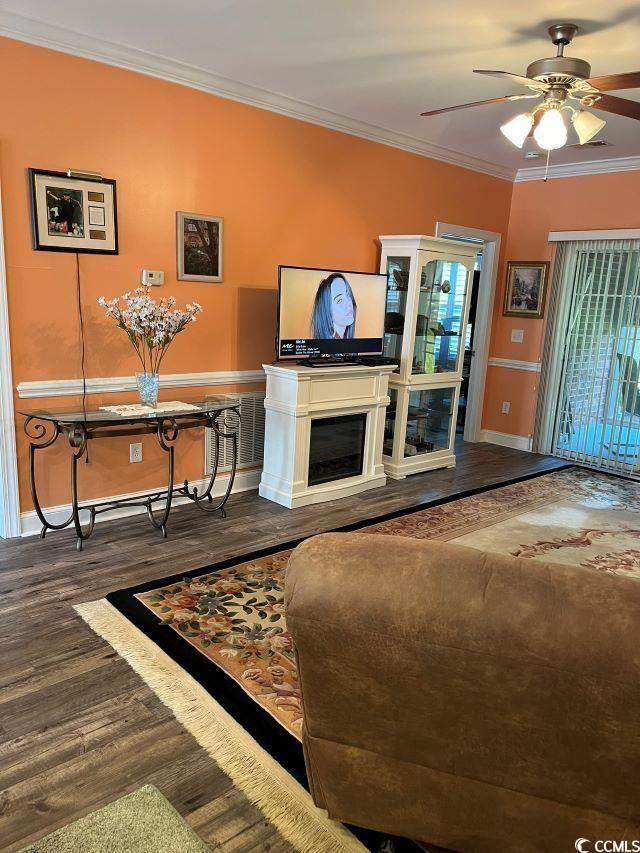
469,347
479,333
593,394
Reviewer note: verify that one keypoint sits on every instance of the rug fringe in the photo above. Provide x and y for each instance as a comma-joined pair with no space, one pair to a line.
265,782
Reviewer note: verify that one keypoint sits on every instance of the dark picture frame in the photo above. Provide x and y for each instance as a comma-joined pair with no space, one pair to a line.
525,289
60,213
199,247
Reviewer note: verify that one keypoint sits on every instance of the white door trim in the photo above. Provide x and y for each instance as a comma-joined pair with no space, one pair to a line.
484,313
9,497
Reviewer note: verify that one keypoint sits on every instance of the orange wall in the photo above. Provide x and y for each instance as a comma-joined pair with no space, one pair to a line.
290,192
565,204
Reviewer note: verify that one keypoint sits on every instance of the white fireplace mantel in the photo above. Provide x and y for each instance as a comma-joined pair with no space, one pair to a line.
295,396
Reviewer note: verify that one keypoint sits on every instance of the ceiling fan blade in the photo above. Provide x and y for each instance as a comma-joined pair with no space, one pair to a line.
613,104
630,80
516,78
479,104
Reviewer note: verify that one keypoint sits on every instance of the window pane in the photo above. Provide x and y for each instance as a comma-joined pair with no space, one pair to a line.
390,422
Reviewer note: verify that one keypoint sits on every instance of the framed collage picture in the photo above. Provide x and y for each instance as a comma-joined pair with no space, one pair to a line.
73,214
526,288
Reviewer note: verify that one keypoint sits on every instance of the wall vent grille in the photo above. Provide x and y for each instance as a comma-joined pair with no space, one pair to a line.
250,436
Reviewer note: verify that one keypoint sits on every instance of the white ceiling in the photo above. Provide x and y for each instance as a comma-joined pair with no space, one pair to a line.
373,61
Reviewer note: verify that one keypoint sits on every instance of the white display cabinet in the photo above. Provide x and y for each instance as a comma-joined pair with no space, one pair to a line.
428,293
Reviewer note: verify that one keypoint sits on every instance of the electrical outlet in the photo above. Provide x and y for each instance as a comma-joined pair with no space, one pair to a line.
505,408
517,336
135,452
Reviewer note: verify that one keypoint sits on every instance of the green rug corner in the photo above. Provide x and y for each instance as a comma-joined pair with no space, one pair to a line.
140,822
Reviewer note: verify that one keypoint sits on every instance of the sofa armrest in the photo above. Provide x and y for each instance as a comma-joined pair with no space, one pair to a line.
514,672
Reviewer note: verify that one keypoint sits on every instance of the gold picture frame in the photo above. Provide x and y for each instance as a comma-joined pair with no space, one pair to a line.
525,289
199,249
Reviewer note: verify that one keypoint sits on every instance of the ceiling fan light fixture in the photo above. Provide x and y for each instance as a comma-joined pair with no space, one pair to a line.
517,129
586,125
551,131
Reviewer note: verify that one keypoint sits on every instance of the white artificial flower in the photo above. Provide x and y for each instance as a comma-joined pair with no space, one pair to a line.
150,325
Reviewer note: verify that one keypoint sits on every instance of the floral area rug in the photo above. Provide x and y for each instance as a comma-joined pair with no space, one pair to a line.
226,626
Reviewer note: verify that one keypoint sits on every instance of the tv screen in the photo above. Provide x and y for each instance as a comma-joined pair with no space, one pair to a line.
330,312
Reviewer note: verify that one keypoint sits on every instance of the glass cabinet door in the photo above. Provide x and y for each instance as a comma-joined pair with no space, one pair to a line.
396,307
390,422
443,287
429,420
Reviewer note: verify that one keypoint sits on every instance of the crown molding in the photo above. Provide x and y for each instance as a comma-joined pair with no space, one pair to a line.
144,62
64,40
572,170
119,384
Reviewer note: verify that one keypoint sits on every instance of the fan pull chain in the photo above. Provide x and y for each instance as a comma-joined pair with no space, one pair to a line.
546,168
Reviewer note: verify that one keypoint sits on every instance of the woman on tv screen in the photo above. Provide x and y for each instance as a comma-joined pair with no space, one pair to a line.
334,309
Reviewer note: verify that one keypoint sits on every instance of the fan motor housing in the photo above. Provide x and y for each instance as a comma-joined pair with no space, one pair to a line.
554,68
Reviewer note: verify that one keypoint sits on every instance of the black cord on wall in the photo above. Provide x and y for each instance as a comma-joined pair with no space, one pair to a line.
82,346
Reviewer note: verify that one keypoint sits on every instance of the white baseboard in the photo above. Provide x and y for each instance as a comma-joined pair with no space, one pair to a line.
30,523
505,439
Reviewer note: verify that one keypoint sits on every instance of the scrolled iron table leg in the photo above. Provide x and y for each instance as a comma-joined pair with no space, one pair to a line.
204,501
166,433
36,431
78,444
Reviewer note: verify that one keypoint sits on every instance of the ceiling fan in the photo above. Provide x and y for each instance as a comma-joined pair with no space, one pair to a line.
558,80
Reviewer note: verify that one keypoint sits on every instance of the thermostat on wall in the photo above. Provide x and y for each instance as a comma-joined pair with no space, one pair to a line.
155,277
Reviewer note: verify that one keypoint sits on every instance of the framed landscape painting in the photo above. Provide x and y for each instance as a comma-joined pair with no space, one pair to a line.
199,247
70,214
525,289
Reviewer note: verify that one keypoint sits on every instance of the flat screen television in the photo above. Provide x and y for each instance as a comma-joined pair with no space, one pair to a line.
330,313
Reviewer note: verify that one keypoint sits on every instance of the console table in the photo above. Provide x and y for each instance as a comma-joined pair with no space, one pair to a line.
43,428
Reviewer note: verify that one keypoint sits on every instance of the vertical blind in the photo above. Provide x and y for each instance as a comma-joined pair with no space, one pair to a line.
597,418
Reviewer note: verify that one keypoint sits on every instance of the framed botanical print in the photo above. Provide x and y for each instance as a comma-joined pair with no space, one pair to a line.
199,247
73,214
526,288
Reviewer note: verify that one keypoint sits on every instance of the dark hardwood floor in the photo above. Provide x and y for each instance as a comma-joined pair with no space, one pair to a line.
78,728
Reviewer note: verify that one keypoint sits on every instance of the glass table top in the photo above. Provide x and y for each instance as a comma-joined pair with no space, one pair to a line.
103,415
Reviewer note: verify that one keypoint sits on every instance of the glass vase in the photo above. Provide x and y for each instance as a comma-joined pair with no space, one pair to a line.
148,388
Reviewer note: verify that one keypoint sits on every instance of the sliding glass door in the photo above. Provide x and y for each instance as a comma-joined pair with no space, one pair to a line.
597,387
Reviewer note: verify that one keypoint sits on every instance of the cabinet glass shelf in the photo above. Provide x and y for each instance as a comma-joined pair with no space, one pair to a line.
438,325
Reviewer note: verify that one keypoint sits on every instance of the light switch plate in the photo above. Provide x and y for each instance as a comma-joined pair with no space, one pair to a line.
154,277
506,406
517,336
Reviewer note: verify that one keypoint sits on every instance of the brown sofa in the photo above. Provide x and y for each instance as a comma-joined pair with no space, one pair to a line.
475,701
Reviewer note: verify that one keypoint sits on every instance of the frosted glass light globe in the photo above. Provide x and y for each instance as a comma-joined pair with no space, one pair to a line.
551,132
518,128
